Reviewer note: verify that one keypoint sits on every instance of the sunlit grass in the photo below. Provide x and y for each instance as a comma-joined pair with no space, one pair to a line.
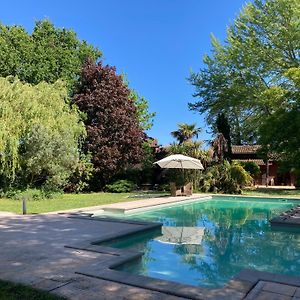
66,201
270,192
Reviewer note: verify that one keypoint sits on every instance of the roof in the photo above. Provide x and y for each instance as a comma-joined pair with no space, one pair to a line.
259,162
245,149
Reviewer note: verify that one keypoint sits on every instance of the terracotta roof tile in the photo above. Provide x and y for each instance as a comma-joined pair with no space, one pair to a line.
245,149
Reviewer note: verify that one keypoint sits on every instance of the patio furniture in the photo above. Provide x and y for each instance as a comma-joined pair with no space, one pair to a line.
186,190
179,161
174,190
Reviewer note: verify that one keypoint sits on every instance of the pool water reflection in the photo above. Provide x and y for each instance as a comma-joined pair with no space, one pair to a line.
206,243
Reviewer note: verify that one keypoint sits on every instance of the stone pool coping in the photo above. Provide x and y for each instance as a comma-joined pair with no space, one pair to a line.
147,204
135,205
245,285
154,201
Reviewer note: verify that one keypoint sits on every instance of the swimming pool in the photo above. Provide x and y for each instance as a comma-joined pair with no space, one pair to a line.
206,243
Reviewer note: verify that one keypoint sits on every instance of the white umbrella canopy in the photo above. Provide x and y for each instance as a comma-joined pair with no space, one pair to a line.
181,235
179,161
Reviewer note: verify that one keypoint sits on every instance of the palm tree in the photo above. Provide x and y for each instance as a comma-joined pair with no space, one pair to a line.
185,132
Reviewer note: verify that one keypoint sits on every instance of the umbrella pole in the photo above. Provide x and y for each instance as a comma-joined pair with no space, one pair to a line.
182,172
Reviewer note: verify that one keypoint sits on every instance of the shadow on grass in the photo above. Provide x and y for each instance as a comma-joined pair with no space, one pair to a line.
14,291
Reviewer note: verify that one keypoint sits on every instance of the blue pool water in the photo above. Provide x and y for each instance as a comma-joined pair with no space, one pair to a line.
206,243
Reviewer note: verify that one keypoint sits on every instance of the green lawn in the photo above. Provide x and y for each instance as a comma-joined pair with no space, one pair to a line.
66,201
70,201
273,192
12,291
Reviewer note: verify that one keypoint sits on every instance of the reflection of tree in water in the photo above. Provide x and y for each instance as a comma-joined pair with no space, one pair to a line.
236,238
139,242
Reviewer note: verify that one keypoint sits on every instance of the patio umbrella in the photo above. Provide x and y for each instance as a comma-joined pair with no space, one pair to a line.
181,235
179,161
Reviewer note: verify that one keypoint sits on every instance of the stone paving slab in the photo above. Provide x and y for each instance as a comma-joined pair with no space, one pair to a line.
121,207
92,288
131,206
265,290
33,252
4,214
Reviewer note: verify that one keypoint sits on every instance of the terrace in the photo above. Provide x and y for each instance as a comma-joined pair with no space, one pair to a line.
61,254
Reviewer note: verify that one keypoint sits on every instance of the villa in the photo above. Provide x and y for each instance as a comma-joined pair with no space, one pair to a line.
250,153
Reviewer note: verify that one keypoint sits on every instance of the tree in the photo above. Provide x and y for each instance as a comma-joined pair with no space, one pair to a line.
247,77
223,127
114,137
39,135
220,148
145,117
185,132
48,54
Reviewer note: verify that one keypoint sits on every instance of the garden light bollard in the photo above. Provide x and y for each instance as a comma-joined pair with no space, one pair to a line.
24,205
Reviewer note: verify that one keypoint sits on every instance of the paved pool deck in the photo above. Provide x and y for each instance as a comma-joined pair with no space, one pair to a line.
58,253
134,205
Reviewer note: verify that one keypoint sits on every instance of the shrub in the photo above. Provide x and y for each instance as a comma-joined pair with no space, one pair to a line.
29,194
79,181
240,175
120,186
251,167
224,178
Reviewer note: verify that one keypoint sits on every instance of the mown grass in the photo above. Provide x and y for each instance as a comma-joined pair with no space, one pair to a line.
13,291
66,201
71,201
269,192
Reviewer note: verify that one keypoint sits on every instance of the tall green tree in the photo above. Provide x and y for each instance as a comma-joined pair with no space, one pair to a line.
281,131
186,132
47,54
114,135
39,134
246,77
146,118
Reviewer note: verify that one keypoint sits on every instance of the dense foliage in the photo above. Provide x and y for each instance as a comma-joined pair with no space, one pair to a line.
39,151
225,178
48,54
251,167
146,118
120,186
254,75
223,127
114,137
39,136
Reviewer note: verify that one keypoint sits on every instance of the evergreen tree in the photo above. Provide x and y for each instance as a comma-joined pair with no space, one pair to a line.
224,128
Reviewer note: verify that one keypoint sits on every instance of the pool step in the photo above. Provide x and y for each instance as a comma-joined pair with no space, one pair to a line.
141,205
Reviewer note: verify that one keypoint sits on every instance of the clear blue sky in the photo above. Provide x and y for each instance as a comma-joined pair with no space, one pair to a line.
155,42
